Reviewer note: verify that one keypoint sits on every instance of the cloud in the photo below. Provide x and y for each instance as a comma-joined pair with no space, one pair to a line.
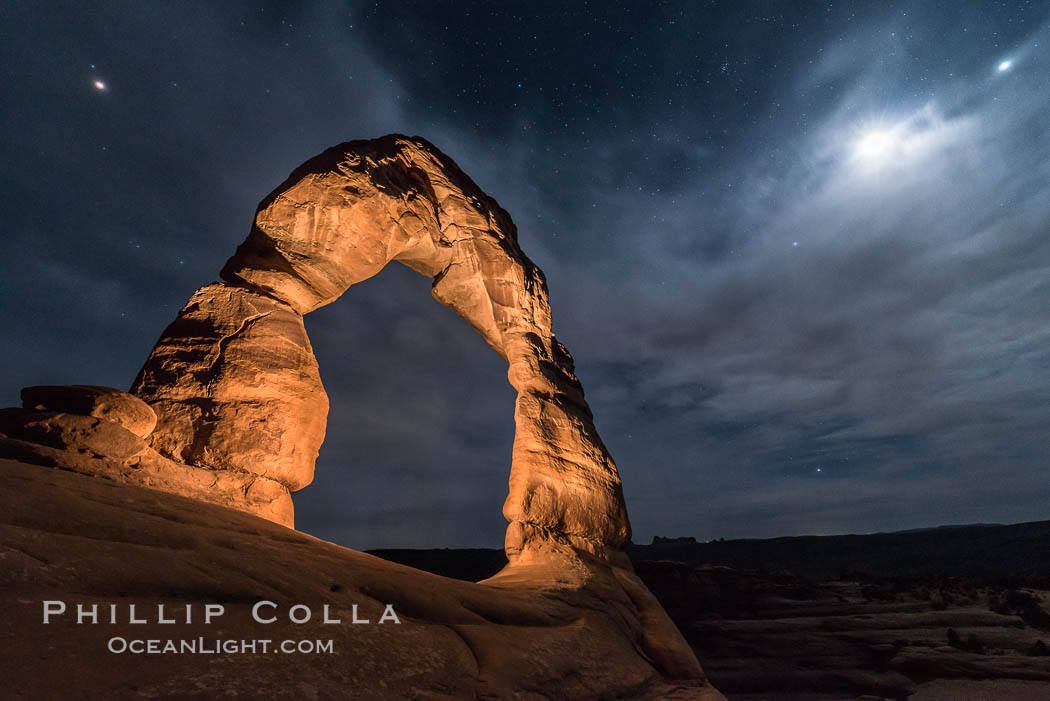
903,300
746,298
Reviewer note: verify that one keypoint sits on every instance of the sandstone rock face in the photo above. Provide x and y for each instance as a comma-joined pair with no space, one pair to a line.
102,402
234,382
99,447
235,386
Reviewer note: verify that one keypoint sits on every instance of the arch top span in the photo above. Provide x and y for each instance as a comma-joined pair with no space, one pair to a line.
235,384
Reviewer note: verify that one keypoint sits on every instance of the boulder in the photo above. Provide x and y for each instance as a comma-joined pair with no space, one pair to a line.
106,403
100,448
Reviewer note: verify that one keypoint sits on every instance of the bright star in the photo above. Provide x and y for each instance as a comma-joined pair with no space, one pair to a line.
1005,66
99,85
820,469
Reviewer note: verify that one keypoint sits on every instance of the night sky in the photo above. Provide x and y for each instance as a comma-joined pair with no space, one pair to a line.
800,253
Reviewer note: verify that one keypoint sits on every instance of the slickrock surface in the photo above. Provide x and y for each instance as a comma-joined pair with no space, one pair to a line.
69,537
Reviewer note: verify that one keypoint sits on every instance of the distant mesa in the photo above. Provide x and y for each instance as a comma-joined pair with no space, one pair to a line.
229,407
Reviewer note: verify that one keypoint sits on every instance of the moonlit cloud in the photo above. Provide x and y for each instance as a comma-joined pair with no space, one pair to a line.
883,341
876,145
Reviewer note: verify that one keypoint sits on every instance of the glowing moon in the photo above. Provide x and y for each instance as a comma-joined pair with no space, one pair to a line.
874,144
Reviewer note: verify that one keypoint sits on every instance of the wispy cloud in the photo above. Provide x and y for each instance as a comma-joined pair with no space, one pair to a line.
769,255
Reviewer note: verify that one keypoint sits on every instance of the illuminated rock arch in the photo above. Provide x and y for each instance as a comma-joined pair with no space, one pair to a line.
234,381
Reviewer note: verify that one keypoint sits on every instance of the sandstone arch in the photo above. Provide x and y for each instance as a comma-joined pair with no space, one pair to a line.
235,385
234,413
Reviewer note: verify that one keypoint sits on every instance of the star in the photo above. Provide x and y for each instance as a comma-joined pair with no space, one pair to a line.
99,85
1005,66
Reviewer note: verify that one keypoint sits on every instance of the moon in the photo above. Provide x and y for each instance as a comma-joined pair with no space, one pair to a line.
874,145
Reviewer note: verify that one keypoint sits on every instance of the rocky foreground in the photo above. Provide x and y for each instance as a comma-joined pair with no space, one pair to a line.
79,539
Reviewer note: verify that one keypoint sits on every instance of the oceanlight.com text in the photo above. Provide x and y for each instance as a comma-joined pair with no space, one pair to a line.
214,646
